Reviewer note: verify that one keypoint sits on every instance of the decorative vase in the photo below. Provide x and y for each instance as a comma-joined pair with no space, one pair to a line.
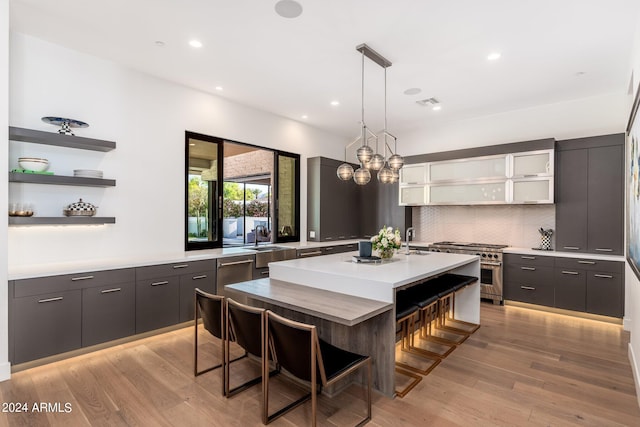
386,254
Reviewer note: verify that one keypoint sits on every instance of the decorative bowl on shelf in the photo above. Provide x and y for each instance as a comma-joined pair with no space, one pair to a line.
20,209
65,124
33,164
80,208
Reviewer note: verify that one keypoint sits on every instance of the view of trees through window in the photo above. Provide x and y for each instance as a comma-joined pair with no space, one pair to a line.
198,206
245,206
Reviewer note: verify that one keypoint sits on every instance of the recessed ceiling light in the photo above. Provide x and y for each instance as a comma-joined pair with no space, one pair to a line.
493,56
288,8
195,43
335,103
429,101
159,43
580,73
219,88
191,144
437,107
413,91
304,116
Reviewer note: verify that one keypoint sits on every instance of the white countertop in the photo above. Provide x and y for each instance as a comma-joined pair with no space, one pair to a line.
581,255
74,267
337,273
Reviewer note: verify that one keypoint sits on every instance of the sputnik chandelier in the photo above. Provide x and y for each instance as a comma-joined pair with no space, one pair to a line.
386,167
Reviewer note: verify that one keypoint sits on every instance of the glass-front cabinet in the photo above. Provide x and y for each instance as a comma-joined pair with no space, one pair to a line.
512,178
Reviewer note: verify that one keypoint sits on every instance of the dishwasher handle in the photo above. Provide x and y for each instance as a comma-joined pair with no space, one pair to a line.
227,264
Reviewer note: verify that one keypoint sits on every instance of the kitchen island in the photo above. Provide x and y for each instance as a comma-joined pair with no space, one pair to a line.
353,304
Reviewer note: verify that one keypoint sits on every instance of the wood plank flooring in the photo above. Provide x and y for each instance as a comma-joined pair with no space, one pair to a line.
521,368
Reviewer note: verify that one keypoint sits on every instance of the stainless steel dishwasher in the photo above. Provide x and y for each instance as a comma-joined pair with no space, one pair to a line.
233,270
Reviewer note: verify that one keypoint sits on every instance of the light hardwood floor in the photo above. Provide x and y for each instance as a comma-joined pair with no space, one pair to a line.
522,367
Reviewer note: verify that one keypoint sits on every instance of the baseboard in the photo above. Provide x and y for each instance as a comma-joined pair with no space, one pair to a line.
626,324
634,370
5,371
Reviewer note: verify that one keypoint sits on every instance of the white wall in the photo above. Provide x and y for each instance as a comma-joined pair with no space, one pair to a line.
4,122
147,117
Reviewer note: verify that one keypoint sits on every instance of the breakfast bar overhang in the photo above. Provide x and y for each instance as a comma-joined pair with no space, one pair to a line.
353,304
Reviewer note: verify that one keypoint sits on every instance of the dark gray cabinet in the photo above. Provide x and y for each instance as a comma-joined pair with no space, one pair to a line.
46,324
590,195
108,313
55,314
528,283
338,210
164,292
579,284
205,280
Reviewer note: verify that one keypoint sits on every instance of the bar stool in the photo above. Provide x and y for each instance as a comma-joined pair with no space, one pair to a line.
456,282
426,297
406,312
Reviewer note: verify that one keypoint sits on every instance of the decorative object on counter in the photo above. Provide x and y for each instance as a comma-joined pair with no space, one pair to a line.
34,164
20,209
87,173
65,124
364,248
80,208
386,242
545,239
387,167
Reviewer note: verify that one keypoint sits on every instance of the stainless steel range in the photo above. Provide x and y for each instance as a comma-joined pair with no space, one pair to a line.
490,264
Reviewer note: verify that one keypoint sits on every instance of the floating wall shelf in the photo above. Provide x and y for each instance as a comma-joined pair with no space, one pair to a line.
33,178
60,220
59,140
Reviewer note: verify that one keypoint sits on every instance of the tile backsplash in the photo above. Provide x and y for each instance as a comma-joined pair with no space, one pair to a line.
515,225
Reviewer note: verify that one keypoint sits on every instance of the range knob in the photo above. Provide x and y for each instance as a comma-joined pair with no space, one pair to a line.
484,255
495,256
478,253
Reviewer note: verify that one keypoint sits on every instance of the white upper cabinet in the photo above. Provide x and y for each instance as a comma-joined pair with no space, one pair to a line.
465,169
534,163
513,178
413,174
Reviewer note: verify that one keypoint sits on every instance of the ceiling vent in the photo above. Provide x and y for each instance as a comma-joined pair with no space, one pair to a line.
428,102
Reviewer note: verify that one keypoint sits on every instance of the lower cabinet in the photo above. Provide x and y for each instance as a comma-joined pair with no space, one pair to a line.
586,285
204,280
108,313
46,324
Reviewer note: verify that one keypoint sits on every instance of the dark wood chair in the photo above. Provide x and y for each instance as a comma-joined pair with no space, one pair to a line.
212,309
298,350
247,325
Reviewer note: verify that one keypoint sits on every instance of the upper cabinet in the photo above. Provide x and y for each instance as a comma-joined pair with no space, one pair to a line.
519,177
413,174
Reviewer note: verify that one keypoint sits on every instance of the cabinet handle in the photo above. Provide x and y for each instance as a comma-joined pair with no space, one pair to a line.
340,237
575,273
604,276
586,262
75,279
265,273
180,266
227,264
202,276
108,291
528,268
50,300
528,288
310,253
330,248
527,257
604,250
164,282
572,248
328,238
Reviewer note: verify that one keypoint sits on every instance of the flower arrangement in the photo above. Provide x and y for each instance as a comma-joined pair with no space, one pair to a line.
386,241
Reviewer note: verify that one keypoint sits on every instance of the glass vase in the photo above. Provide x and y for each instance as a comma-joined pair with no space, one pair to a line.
386,254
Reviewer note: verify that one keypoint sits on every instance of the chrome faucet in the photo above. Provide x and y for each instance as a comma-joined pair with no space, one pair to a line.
255,230
408,235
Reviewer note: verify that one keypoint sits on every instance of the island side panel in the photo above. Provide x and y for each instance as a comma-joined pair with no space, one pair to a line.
374,337
468,299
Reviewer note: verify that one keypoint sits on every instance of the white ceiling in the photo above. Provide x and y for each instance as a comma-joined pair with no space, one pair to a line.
298,66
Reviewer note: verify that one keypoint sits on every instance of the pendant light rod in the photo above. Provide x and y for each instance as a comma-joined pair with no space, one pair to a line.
373,55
